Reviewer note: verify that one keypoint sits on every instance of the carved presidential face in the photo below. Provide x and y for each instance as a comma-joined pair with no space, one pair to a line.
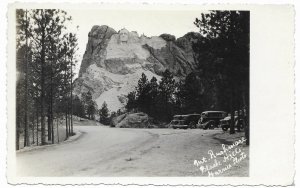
123,35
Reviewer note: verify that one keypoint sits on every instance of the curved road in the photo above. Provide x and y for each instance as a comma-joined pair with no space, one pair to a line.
104,151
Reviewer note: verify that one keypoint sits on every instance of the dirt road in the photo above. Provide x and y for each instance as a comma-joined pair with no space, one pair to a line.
104,151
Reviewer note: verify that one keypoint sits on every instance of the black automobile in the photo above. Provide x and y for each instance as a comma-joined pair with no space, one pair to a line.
211,119
239,122
185,121
178,124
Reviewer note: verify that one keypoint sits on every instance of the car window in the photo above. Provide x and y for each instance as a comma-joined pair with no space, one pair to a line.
215,114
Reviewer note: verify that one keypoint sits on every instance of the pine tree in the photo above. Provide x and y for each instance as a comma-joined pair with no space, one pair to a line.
142,91
131,101
104,114
166,98
92,110
78,108
90,106
153,92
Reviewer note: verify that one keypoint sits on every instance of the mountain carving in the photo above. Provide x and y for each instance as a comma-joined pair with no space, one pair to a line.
114,61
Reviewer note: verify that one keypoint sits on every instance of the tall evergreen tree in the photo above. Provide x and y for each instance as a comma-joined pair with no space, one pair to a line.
166,96
152,95
143,97
131,101
104,114
78,108
89,105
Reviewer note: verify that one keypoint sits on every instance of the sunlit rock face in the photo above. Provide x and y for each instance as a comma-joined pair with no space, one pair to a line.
125,52
114,61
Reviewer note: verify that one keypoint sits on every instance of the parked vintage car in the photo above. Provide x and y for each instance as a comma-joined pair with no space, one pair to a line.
239,122
185,121
211,119
178,124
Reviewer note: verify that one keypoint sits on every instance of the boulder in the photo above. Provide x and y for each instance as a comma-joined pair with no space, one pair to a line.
117,120
134,120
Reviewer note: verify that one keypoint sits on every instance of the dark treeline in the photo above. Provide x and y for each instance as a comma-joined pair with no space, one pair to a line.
220,82
85,107
45,61
157,99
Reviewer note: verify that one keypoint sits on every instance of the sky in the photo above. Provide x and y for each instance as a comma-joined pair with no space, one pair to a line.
148,22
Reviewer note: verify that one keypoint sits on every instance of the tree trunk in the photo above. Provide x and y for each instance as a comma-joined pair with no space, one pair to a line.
67,134
37,127
49,123
232,131
18,133
52,127
71,99
32,129
246,112
42,123
66,100
52,131
247,129
69,125
51,104
247,126
43,139
239,115
57,130
26,137
67,114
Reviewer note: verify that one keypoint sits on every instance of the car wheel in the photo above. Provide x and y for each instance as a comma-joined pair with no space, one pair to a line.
211,125
239,125
242,125
224,128
192,125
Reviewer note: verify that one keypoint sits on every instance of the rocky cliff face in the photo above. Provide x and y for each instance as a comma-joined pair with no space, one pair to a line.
114,61
95,48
